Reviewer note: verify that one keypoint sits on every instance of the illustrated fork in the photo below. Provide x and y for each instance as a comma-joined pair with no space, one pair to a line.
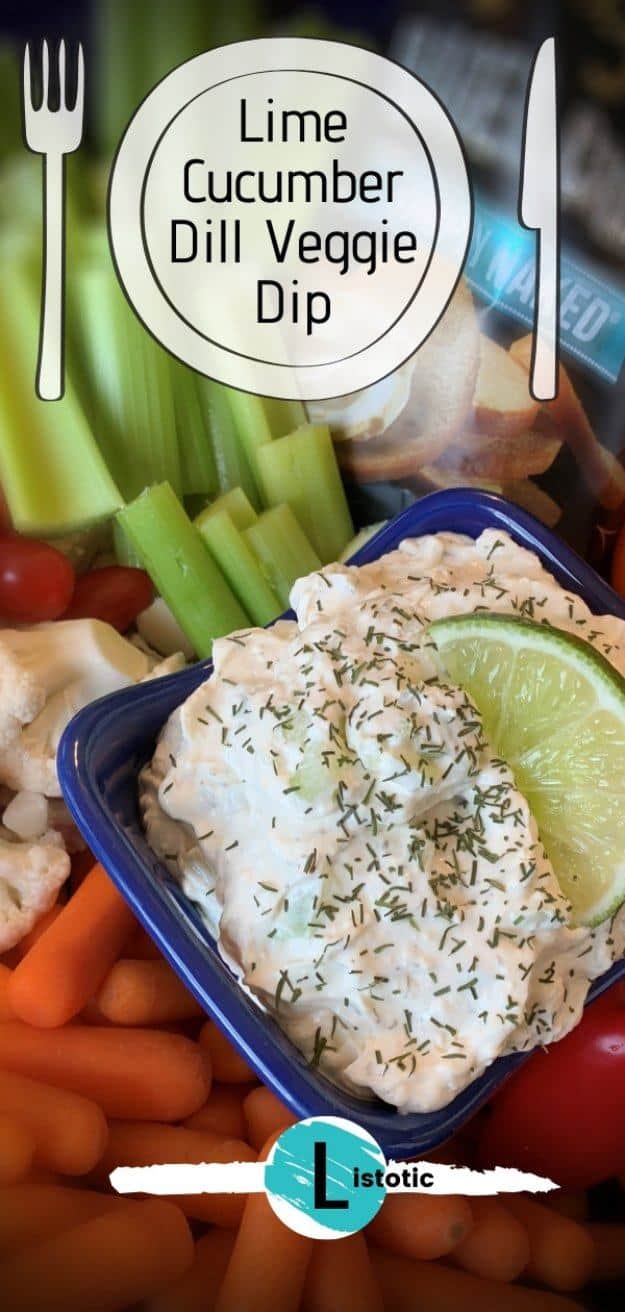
53,133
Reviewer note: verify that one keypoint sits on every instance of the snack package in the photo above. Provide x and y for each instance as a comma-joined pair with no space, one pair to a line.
461,413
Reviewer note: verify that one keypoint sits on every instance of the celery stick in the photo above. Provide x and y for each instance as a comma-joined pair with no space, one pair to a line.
125,553
20,193
199,471
233,469
139,41
361,539
283,416
129,383
120,38
238,565
260,419
302,470
135,50
282,548
10,99
235,22
240,510
181,568
52,473
177,33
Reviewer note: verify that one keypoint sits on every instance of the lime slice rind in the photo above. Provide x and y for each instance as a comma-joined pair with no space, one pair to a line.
554,708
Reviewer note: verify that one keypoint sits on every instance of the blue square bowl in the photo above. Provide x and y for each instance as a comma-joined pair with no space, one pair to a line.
105,746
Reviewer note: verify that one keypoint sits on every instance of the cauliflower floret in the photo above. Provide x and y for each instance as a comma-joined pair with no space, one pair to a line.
30,877
31,815
21,696
47,673
26,816
161,630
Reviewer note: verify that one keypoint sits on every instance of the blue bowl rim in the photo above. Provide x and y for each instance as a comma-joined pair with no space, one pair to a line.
142,879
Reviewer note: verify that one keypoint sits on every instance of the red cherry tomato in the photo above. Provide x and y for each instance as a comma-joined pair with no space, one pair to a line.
36,581
5,518
563,1113
114,593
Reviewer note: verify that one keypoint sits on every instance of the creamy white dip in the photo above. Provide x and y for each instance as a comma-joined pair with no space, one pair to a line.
362,857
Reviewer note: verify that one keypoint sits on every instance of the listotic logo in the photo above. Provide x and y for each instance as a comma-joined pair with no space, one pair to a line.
324,1177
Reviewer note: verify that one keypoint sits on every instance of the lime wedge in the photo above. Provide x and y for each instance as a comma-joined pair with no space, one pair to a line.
554,709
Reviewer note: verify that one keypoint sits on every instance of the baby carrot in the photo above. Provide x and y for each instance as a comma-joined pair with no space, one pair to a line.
267,1269
420,1286
105,1264
609,1241
145,1143
68,963
16,1150
6,1010
562,1253
220,1209
415,1225
69,1131
39,1175
222,1113
31,1212
133,1143
134,1074
573,1205
48,918
340,1278
198,1288
264,1114
226,1064
145,993
497,1247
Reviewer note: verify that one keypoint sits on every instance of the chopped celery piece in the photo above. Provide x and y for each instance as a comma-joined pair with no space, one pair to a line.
239,508
121,35
20,192
199,472
283,416
361,539
10,120
229,22
52,473
128,381
233,469
138,42
20,250
282,548
181,568
238,565
260,419
302,470
125,553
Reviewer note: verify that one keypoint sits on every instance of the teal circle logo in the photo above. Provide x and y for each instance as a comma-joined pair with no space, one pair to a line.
325,1177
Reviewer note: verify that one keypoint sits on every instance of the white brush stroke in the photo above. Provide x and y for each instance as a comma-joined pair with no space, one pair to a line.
477,1184
195,1178
249,1178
